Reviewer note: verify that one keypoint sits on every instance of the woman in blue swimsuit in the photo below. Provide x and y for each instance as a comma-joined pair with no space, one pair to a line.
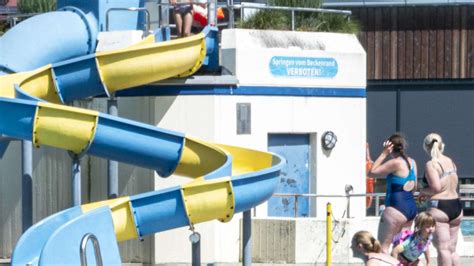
444,203
400,172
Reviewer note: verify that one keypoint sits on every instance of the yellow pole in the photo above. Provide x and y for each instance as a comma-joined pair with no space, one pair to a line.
328,234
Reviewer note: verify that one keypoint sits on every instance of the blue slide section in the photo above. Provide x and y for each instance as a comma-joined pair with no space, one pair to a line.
139,144
47,38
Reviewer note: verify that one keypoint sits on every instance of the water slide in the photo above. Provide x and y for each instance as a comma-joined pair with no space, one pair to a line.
224,179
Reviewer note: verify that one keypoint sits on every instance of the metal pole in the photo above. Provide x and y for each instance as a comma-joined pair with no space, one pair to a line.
195,239
292,20
112,166
328,234
164,14
247,239
27,184
76,180
296,206
398,108
242,14
212,13
377,203
230,8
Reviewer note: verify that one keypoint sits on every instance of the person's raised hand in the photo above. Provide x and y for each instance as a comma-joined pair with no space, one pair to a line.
387,147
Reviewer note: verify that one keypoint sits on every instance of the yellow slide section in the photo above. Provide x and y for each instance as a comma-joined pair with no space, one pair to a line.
147,63
122,216
140,64
245,161
199,158
64,127
206,200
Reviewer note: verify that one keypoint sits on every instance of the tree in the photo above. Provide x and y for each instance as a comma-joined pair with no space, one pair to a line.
36,6
304,21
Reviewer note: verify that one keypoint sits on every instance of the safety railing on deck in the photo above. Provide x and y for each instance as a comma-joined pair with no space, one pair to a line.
466,192
231,7
164,7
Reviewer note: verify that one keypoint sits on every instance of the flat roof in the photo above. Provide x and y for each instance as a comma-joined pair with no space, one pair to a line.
368,3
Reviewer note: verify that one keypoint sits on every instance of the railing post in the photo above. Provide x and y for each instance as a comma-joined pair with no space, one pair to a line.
164,19
377,204
230,8
292,19
212,13
296,206
348,189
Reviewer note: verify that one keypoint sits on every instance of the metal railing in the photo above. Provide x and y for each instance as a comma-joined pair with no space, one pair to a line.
231,7
83,249
13,19
464,189
133,9
347,196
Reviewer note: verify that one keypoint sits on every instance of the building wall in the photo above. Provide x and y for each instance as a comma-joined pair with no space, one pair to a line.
213,118
417,42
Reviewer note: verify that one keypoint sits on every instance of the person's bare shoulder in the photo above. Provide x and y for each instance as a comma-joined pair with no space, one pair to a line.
380,259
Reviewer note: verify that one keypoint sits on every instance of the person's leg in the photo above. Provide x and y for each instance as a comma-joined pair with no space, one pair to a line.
442,238
453,232
187,24
391,223
179,23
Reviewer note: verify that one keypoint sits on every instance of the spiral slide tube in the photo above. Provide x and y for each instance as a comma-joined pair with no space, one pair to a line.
36,42
227,179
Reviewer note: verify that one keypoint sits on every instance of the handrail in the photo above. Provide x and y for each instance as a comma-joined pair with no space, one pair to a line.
348,196
230,6
136,9
242,6
83,247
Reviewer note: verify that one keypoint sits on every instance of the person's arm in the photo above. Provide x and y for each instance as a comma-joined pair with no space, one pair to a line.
432,177
427,256
379,168
397,250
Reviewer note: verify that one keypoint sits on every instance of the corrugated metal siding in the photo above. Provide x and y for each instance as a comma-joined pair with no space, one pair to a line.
10,199
418,42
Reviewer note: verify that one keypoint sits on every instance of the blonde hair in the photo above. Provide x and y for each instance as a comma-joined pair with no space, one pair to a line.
368,242
434,146
424,219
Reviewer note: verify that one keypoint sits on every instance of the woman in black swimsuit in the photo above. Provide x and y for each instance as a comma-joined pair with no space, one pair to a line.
444,203
366,247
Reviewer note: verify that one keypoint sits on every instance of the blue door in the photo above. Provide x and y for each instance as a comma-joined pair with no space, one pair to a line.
294,178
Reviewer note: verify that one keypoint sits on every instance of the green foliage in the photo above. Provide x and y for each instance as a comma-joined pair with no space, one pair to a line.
36,6
304,21
3,27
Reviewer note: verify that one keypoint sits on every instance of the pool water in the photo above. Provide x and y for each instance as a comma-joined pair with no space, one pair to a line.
467,227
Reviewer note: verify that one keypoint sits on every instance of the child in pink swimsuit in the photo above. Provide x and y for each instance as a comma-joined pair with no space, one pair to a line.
408,246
